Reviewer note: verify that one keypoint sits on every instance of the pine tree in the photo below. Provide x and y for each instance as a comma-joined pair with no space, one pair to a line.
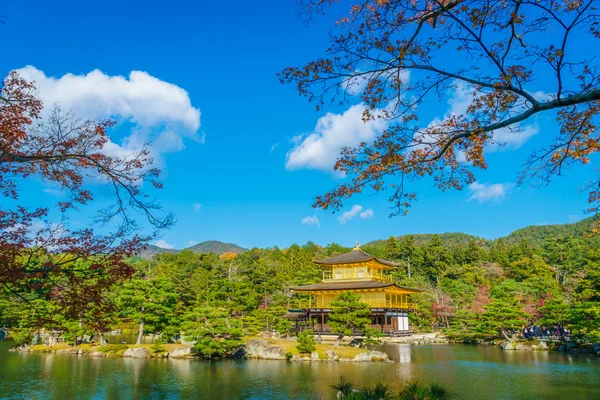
504,316
306,342
150,303
217,334
392,249
349,314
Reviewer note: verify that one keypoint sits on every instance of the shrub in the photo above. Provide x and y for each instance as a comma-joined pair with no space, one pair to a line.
112,348
416,391
412,391
371,336
158,348
306,342
22,336
343,387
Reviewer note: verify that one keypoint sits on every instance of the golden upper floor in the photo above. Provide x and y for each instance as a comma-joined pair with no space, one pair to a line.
356,265
361,272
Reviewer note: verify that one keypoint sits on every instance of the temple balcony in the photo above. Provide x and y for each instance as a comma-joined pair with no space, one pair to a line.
326,303
371,275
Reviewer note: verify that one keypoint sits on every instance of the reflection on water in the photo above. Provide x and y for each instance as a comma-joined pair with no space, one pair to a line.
473,372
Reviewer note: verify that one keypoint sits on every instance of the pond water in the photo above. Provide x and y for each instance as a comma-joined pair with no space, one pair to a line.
472,372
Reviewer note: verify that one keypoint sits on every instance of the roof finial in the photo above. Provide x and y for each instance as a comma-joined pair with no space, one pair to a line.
357,246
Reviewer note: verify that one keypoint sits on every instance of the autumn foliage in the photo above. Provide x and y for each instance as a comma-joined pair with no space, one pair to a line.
400,55
40,255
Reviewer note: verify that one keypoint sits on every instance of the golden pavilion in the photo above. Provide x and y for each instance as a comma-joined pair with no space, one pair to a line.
367,276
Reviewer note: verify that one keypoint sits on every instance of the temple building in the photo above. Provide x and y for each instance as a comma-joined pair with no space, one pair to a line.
367,276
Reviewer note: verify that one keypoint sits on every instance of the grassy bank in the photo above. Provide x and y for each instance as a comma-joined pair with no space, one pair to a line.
289,346
160,351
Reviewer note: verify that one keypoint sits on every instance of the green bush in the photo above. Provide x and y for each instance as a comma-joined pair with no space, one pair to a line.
288,356
158,348
417,391
306,342
412,391
112,348
372,336
22,336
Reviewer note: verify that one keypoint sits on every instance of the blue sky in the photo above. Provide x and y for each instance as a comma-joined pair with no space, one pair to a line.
229,132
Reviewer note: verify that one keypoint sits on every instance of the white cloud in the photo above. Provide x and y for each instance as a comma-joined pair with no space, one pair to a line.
357,84
504,139
296,140
54,192
163,244
272,149
354,211
197,207
507,138
190,243
367,214
311,221
542,96
574,218
321,148
159,111
485,192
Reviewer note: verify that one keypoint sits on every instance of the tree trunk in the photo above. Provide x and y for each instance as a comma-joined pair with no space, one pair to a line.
141,331
505,335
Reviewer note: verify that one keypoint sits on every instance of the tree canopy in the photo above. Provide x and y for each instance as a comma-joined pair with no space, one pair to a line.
213,301
393,55
41,256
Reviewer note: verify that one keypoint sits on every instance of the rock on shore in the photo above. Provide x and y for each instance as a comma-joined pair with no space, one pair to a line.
261,349
372,355
136,352
181,352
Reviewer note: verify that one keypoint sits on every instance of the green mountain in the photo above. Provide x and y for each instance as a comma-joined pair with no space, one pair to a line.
214,246
537,234
210,246
152,250
448,238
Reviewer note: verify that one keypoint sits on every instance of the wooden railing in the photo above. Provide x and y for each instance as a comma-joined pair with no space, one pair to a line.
374,275
372,304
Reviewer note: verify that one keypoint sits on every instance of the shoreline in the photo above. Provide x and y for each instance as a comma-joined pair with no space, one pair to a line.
253,348
285,349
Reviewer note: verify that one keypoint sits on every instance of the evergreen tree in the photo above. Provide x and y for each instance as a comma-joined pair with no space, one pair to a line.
349,315
554,311
499,253
528,267
409,253
585,321
563,254
306,342
392,249
473,253
436,259
504,316
150,303
216,333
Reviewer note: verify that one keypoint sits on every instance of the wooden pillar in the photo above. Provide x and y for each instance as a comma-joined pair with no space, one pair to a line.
322,319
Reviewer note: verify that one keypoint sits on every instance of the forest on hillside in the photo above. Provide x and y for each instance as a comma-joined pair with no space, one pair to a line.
471,291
